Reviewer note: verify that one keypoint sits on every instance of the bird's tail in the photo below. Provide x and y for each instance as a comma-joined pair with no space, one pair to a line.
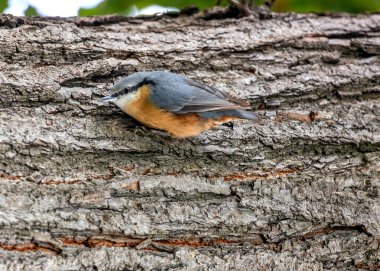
242,114
233,113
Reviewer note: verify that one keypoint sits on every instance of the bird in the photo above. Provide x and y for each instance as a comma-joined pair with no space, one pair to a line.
174,103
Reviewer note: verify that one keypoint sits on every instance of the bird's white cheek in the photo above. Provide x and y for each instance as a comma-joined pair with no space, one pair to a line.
125,100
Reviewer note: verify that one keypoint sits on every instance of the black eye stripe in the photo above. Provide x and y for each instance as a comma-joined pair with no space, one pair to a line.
123,91
128,89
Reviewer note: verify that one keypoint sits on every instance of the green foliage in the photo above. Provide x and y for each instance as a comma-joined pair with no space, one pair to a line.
124,7
31,11
3,5
352,6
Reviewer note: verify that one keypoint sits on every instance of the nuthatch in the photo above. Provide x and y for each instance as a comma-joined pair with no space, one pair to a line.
174,103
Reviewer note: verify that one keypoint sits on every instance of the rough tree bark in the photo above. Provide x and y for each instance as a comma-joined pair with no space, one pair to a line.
83,186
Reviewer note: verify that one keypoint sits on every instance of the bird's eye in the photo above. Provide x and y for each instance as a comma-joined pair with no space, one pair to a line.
127,89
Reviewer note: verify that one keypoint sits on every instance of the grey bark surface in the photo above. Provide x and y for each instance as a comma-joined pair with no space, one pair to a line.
84,186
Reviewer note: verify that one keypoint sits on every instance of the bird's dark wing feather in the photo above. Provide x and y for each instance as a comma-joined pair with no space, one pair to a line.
209,89
181,95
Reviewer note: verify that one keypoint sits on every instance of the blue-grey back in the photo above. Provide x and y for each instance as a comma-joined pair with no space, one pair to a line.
178,94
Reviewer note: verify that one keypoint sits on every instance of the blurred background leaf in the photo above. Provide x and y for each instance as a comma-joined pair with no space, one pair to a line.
3,5
31,11
134,7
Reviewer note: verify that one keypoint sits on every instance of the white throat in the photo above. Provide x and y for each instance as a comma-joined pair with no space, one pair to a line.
125,100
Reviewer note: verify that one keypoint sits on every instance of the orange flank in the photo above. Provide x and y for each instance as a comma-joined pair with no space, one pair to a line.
184,125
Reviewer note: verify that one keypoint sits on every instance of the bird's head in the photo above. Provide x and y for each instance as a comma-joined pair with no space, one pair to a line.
126,89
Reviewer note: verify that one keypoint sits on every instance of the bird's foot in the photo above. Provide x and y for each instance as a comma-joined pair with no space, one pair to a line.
229,125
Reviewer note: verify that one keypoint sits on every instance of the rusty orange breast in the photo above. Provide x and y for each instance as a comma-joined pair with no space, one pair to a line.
140,107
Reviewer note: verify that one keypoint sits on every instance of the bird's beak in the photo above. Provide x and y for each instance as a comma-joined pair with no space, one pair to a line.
108,98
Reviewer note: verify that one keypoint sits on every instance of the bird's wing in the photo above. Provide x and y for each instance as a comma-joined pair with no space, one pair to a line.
181,95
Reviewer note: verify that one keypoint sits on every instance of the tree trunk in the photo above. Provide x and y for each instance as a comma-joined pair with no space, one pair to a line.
83,186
